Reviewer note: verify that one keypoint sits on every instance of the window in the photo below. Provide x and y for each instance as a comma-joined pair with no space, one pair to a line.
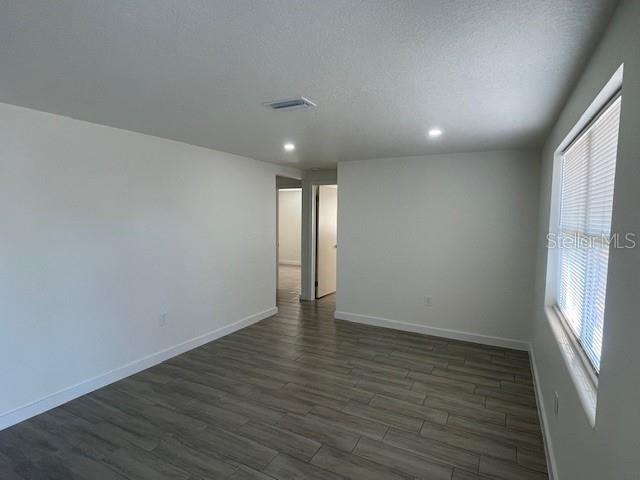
586,201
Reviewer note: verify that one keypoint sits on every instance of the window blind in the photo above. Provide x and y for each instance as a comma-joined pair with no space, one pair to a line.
588,173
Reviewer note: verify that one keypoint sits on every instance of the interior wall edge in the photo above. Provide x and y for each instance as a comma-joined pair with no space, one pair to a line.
89,385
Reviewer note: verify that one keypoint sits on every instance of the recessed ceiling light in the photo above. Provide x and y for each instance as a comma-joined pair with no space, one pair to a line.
435,132
289,147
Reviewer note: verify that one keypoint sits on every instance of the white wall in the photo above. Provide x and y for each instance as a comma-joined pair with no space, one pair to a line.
102,231
289,226
611,449
460,228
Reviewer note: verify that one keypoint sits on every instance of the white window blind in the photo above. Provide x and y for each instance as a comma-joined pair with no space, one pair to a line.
588,172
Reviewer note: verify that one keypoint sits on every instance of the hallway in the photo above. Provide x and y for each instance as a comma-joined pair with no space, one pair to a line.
288,283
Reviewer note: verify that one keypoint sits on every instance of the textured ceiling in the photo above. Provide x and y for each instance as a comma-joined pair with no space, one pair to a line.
491,74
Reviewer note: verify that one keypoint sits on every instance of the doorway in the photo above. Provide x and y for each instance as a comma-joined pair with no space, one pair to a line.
289,239
326,239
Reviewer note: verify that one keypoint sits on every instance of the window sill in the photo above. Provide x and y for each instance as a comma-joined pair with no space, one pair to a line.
580,373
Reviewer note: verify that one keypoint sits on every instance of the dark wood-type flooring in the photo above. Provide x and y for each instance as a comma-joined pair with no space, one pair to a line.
297,396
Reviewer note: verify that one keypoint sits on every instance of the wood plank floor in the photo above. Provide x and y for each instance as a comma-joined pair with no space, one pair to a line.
298,396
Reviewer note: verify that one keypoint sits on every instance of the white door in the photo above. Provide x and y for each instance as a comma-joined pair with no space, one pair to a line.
327,239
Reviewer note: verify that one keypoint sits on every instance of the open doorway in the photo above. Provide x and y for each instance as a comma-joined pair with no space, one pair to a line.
306,237
326,239
289,239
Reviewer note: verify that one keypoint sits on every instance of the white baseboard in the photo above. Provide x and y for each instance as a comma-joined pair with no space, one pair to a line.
552,466
295,263
67,394
434,331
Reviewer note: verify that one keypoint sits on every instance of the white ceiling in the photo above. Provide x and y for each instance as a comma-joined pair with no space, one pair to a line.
492,74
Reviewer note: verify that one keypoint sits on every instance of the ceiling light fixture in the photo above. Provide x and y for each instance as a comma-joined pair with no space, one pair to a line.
435,132
289,147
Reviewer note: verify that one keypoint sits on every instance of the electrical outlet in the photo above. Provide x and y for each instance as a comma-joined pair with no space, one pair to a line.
556,403
428,302
162,320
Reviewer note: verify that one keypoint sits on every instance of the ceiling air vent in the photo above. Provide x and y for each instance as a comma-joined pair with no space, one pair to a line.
290,104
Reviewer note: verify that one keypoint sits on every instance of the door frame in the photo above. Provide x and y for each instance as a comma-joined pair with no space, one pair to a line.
316,232
298,184
277,240
309,236
310,183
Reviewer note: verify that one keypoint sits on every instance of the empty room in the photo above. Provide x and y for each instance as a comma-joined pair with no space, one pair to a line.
325,240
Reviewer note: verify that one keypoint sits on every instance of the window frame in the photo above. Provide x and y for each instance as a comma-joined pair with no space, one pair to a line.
594,118
592,374
582,112
591,370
